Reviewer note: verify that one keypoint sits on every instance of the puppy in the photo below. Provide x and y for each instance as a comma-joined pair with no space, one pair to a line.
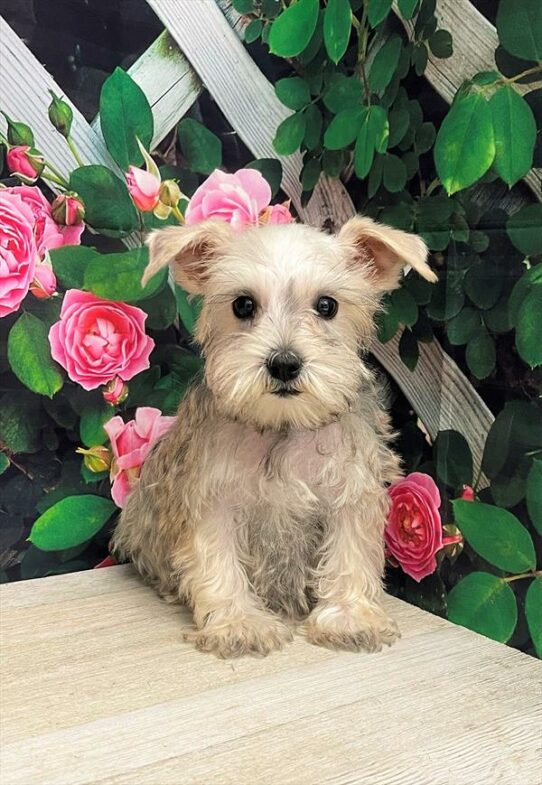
266,502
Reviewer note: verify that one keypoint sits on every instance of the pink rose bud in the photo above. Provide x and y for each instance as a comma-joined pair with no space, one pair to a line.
467,493
452,542
115,392
68,209
96,459
25,162
144,188
43,285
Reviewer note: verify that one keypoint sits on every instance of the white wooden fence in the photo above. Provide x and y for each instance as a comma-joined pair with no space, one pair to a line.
209,54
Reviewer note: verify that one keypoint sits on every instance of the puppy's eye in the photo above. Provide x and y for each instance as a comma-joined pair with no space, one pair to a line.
244,307
327,307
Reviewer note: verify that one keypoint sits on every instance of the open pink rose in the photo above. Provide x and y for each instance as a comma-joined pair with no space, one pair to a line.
47,232
17,250
96,340
413,534
144,188
236,198
131,443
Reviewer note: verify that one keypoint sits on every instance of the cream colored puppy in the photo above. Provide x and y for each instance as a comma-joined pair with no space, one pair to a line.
266,502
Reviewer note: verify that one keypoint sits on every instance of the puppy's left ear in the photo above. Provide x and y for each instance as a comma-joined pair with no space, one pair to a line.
385,251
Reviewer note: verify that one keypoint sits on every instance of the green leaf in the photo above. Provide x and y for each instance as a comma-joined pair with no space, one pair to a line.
483,283
496,535
399,120
92,421
125,114
408,8
117,276
485,604
378,11
529,328
534,495
425,138
517,428
343,128
243,6
293,93
373,136
463,326
497,319
71,521
404,306
310,174
441,44
189,309
21,421
387,324
200,147
69,264
530,280
514,127
525,229
453,459
384,64
290,132
29,355
333,161
409,351
313,131
253,31
108,205
337,27
161,309
481,354
533,613
447,299
342,92
292,31
519,25
4,462
271,168
420,56
395,174
465,145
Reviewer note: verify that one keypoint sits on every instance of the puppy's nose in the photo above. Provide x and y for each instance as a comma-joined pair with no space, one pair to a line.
284,366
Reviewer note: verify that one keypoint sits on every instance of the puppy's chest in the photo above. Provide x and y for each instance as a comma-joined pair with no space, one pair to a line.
306,464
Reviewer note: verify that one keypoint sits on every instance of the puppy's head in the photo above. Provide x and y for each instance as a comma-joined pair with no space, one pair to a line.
286,310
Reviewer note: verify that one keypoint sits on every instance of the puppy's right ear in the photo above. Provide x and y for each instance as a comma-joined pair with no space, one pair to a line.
189,250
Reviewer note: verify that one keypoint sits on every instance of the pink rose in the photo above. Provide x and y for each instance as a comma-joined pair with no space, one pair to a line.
413,534
280,214
131,443
236,198
144,188
47,232
467,493
96,340
43,285
25,163
17,250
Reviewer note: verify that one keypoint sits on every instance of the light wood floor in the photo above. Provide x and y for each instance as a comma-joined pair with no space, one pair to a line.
98,689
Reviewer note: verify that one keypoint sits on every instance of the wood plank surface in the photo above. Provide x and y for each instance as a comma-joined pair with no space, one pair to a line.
97,688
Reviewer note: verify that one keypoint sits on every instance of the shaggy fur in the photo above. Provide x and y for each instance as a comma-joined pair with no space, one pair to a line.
260,509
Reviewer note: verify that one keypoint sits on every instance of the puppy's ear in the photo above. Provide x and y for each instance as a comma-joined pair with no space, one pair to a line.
189,250
385,251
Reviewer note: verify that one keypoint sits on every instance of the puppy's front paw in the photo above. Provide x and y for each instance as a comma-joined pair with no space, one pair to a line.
254,635
352,628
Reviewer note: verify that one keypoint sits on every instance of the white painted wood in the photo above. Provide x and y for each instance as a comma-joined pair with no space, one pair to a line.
475,42
98,689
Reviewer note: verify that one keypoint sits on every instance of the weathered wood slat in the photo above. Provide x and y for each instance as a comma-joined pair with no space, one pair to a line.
475,42
24,91
99,689
438,390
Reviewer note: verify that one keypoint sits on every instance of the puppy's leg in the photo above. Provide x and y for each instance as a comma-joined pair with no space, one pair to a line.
348,614
229,617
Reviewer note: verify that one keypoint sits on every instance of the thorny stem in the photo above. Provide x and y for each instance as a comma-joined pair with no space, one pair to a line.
73,148
17,465
532,574
54,179
57,173
432,186
363,37
536,69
